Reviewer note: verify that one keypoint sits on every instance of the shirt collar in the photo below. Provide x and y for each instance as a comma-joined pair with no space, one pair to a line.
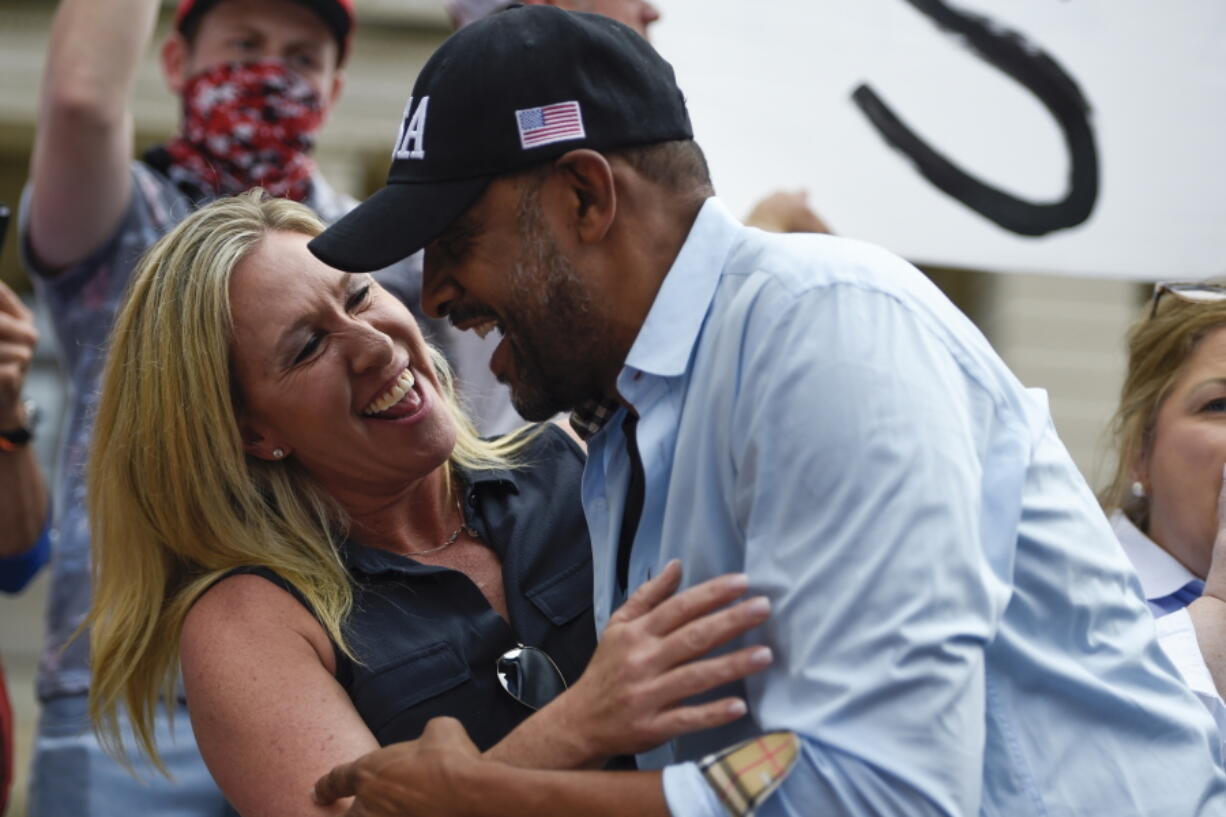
591,415
373,561
1161,573
668,335
666,339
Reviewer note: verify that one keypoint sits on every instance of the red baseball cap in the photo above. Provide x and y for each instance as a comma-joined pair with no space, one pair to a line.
337,15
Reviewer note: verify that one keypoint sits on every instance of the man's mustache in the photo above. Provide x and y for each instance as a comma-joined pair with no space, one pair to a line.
470,312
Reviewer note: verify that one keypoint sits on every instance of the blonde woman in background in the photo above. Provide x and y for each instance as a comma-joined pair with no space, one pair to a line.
286,498
1167,499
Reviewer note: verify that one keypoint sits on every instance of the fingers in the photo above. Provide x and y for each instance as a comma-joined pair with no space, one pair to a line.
1215,581
14,363
694,602
338,783
1221,512
16,355
650,594
17,340
11,304
701,636
673,719
18,329
686,719
698,677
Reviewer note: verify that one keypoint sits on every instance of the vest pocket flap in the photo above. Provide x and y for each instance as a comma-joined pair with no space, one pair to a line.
391,688
564,596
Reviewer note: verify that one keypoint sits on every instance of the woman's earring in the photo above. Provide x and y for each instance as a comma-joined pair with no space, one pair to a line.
1138,490
278,453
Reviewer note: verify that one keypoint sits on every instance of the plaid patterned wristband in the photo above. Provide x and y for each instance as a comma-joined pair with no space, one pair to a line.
744,775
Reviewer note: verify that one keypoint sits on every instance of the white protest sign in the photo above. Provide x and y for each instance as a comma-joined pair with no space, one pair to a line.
1080,137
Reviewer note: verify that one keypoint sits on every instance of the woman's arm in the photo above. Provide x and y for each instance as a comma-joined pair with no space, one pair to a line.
649,661
268,714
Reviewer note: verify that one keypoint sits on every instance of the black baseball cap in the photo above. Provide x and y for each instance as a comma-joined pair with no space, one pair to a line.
515,90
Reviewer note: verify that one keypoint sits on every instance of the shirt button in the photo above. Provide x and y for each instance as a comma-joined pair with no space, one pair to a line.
472,500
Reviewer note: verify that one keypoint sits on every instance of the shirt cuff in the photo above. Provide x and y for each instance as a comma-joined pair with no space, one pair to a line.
738,779
687,793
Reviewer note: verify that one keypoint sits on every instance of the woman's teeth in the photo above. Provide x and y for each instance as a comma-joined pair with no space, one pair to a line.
393,395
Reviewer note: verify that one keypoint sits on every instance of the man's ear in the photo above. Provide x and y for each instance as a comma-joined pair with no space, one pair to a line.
591,194
338,85
175,56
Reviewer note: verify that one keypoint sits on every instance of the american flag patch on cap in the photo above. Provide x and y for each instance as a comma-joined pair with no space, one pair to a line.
552,123
746,774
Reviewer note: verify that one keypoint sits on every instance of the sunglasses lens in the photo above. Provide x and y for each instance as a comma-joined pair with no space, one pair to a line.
530,676
1204,292
1199,295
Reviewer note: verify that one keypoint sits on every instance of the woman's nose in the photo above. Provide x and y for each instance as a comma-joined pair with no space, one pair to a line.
371,348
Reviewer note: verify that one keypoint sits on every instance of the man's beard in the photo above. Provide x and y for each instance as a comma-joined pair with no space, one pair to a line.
555,336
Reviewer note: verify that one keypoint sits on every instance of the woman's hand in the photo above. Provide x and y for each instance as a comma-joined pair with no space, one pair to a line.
652,657
1215,581
1208,613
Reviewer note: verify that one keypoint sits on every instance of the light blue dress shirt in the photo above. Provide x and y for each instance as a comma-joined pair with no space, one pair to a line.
956,630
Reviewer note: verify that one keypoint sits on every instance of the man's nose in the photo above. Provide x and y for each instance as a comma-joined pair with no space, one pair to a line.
438,290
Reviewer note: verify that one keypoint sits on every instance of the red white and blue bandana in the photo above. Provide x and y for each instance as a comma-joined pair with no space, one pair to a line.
247,125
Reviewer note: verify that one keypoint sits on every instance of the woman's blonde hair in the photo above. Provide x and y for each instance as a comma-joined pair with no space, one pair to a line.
174,501
1158,348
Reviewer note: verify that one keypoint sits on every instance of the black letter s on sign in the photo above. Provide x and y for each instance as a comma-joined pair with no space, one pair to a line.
1009,52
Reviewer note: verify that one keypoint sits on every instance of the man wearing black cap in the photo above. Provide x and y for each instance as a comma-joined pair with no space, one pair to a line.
955,630
781,211
256,79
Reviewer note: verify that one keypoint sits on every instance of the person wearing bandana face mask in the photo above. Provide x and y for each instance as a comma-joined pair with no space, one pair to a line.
244,125
256,80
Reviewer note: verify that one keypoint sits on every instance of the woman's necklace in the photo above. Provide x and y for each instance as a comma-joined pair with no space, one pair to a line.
455,534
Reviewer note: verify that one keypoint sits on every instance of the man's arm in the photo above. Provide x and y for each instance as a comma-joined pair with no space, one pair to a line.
443,775
23,495
861,469
83,145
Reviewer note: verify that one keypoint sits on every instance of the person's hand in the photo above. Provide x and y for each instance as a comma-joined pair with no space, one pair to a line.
1208,613
786,211
651,658
419,777
1215,582
17,340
